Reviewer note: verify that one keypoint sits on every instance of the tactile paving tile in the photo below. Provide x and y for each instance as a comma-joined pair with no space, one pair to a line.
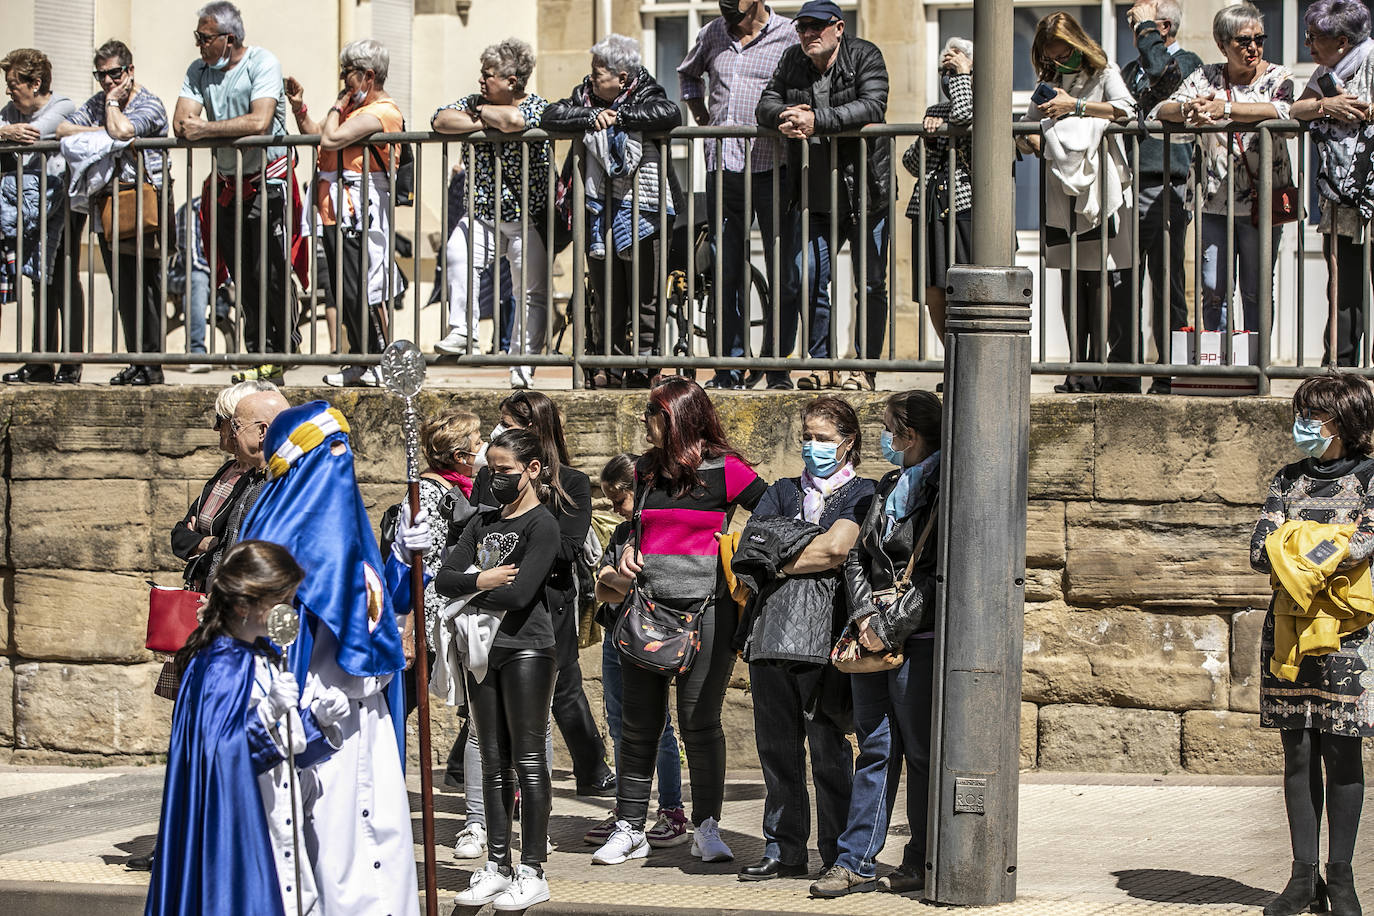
54,815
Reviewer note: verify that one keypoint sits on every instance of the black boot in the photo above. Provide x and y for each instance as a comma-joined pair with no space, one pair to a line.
1340,889
1305,893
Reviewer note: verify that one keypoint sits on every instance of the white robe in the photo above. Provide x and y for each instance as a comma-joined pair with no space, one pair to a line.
359,834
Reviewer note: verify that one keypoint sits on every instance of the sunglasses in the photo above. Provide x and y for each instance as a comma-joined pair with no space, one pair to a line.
201,39
343,74
219,422
113,73
813,25
1245,41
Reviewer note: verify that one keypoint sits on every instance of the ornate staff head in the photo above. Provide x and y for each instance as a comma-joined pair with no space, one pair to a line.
403,371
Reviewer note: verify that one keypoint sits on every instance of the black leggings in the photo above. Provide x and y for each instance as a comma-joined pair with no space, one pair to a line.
511,707
1305,751
700,693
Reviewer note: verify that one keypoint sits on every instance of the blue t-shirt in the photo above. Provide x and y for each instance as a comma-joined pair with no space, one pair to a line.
227,94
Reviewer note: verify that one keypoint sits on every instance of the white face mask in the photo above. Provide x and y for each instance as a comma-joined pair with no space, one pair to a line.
479,460
359,96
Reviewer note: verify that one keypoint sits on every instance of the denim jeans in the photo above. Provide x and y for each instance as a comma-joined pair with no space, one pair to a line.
818,281
197,310
612,691
892,719
1214,269
733,247
782,732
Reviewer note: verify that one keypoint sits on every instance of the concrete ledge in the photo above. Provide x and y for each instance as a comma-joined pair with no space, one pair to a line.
45,898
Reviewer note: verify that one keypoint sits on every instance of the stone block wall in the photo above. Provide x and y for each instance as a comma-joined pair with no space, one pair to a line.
1142,615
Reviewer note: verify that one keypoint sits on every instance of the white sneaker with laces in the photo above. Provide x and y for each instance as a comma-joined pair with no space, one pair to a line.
484,886
471,842
455,343
521,376
707,844
625,844
527,888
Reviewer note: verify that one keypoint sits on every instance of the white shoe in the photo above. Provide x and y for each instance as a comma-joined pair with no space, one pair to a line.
354,377
527,888
707,844
521,376
471,842
625,844
455,343
197,368
485,886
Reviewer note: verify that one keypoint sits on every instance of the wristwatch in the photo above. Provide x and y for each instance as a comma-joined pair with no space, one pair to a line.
1226,111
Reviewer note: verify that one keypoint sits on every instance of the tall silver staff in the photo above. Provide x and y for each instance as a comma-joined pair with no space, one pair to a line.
283,626
403,371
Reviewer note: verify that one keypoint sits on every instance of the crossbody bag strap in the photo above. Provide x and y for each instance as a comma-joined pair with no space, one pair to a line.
920,543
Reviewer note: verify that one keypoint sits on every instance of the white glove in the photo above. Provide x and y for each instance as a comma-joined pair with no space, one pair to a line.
283,695
330,708
412,537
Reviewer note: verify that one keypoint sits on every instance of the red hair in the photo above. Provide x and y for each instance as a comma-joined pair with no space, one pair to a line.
691,434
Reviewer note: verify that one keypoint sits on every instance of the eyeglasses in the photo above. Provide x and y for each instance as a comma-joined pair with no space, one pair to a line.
201,39
343,74
219,422
814,25
237,428
113,73
1245,41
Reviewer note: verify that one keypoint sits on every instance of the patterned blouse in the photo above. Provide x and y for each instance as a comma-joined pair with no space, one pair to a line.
956,112
484,166
149,118
1331,492
1274,86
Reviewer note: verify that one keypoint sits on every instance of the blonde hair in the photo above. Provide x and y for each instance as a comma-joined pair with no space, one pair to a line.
446,432
1065,28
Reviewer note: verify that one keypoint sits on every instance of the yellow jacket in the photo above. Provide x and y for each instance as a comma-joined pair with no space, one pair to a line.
739,592
1314,604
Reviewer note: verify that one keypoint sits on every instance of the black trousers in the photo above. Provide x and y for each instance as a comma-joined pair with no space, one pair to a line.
571,711
617,299
353,304
262,267
1155,201
511,706
1350,282
60,325
700,694
133,299
1089,290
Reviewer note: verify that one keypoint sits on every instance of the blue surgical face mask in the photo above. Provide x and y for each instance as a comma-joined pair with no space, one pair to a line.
892,455
821,458
359,96
223,62
1307,436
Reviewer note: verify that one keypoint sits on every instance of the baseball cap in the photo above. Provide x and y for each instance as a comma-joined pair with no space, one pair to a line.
823,10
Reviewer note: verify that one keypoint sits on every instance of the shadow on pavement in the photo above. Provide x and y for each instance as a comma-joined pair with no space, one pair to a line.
138,846
1166,885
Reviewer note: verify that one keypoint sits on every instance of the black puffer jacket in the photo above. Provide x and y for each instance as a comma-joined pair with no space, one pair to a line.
790,618
858,96
877,561
648,109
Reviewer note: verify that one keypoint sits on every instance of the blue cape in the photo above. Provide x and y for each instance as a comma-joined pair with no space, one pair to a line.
213,852
312,507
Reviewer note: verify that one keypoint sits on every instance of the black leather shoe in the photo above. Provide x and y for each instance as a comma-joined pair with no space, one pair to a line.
31,372
140,863
1305,893
769,868
69,374
1340,890
126,376
602,788
147,375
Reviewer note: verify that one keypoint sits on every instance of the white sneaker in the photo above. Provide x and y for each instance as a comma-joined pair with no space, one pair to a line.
485,886
197,368
471,842
354,377
455,343
625,844
521,376
707,844
527,888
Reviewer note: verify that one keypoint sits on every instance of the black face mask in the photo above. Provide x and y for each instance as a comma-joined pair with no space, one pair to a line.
505,488
730,12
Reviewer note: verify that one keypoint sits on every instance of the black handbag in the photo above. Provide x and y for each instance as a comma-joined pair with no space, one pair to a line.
652,635
404,195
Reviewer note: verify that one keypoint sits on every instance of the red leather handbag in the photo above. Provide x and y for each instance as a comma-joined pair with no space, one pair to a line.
172,616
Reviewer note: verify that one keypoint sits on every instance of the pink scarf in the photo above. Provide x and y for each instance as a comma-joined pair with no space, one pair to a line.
461,481
816,490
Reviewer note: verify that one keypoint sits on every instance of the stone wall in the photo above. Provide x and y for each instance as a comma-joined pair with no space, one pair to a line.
1142,618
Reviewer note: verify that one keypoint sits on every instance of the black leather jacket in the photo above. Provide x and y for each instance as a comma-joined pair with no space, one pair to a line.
858,96
875,562
649,109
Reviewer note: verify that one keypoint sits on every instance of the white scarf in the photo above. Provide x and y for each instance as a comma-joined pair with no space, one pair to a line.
816,490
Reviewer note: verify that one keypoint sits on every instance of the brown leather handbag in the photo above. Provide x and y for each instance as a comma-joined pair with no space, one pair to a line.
130,224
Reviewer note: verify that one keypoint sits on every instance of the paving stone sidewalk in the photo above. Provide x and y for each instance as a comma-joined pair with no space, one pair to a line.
1089,845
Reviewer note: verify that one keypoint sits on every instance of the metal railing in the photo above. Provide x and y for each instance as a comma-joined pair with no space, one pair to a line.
650,306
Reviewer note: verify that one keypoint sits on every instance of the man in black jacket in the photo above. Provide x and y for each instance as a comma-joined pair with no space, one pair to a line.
1158,70
834,82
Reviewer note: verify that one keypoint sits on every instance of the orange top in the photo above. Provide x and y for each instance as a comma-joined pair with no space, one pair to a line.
385,111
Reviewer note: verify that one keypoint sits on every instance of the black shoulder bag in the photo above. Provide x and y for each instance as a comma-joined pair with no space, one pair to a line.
650,635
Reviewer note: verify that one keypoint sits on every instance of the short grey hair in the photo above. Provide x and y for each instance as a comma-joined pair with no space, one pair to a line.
1172,11
962,45
511,57
367,54
227,401
1231,19
227,15
1339,18
620,53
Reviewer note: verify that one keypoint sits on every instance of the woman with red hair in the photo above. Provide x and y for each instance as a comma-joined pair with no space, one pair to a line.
686,485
